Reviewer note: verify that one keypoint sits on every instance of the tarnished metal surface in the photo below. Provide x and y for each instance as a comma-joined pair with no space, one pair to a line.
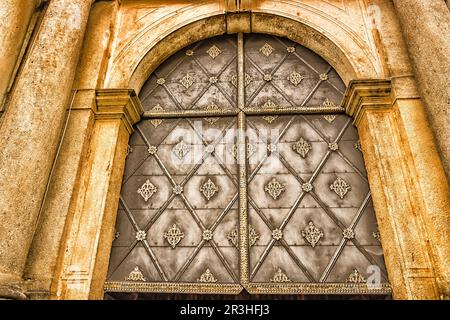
308,191
202,77
270,200
186,207
322,191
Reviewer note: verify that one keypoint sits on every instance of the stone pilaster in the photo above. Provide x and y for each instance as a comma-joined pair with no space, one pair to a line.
84,254
15,17
43,255
426,29
408,184
31,128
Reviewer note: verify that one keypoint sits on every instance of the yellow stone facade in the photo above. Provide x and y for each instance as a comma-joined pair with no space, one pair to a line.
68,102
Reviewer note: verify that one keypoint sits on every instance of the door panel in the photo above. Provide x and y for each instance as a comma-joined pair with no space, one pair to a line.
310,204
178,202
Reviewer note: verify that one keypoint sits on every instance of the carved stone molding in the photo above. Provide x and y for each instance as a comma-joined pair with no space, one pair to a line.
362,95
232,17
238,22
119,104
238,5
393,136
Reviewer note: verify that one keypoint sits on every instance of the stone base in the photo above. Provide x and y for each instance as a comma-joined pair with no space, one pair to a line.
11,292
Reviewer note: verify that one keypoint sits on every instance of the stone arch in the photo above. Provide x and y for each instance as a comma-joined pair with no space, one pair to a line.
136,60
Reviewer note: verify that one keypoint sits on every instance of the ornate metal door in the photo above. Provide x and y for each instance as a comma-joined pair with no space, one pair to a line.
245,173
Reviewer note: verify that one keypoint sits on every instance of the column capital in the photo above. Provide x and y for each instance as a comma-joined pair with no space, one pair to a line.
119,104
362,95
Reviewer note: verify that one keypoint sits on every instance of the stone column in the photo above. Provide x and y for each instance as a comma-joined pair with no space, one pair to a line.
409,187
415,131
43,255
85,249
15,16
426,29
31,128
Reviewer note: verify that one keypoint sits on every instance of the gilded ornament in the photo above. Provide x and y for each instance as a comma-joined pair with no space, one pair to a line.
209,189
280,277
250,150
307,187
312,234
187,81
135,275
212,107
348,234
173,235
328,104
271,147
177,189
181,149
147,190
207,277
329,117
152,149
340,187
355,277
270,118
207,235
376,235
213,79
129,150
295,78
269,104
156,122
141,235
333,146
277,234
266,49
233,237
253,236
274,188
247,80
214,51
209,148
302,147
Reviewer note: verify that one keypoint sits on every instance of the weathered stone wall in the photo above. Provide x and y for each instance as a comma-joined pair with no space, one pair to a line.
420,20
31,129
15,17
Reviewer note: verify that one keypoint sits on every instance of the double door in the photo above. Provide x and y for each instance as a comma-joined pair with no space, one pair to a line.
245,174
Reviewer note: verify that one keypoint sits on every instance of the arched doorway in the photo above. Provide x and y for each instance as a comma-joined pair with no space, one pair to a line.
282,209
